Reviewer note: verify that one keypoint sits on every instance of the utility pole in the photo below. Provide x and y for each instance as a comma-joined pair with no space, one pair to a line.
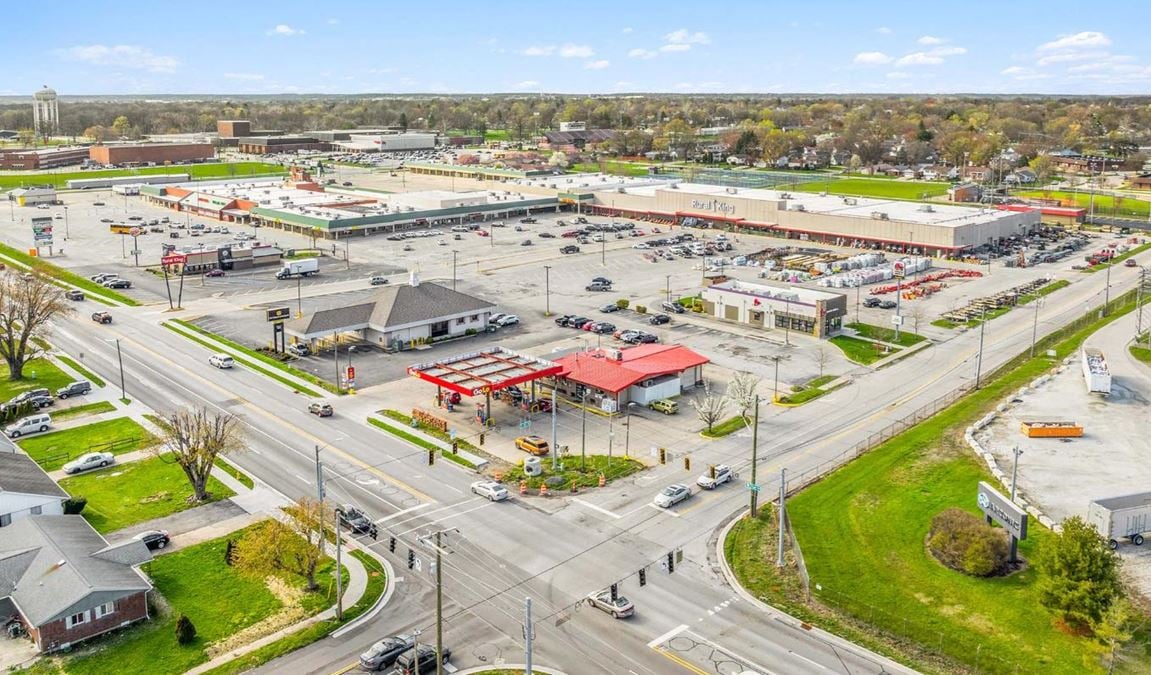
583,431
1106,293
454,252
439,598
775,391
120,358
979,358
555,448
336,355
610,438
1035,325
754,489
319,476
782,514
299,299
667,288
528,636
547,290
339,577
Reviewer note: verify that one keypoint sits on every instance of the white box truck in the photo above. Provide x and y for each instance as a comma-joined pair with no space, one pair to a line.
1095,372
1126,517
304,267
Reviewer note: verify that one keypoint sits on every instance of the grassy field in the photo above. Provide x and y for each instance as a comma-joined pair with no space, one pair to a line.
862,531
906,338
234,603
727,426
86,409
63,276
569,471
617,168
197,171
136,491
53,449
1105,205
75,365
860,351
1141,353
37,373
875,187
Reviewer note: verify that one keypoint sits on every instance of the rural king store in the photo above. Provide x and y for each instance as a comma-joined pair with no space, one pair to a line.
223,258
936,229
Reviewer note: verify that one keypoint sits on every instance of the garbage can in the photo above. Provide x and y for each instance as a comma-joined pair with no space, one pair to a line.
532,466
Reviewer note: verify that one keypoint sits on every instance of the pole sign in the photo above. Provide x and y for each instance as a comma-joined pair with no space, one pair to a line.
1002,510
351,372
173,259
277,313
899,269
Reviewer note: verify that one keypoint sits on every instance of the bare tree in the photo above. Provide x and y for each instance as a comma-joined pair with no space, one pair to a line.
294,545
822,357
741,391
27,304
710,410
917,312
196,438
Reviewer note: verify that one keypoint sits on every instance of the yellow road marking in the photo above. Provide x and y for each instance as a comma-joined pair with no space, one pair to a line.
346,668
683,662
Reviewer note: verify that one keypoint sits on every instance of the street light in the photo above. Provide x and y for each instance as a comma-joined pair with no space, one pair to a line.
547,290
66,231
776,358
120,358
1035,325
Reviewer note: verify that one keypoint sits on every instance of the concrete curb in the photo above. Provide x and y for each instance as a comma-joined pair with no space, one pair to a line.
783,617
381,602
479,462
510,666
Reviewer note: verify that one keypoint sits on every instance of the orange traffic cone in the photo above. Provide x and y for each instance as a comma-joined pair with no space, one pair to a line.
602,480
523,487
543,489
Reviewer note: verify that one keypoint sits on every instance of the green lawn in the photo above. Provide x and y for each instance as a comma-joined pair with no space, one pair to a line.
1047,289
1105,205
53,449
874,187
197,171
802,393
232,471
1141,353
617,168
86,409
75,365
133,492
906,338
63,276
862,532
727,426
37,373
569,471
194,582
860,351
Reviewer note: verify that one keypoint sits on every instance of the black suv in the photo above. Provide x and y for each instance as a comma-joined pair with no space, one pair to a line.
659,319
354,519
673,307
571,248
77,388
563,320
424,655
578,322
28,395
871,302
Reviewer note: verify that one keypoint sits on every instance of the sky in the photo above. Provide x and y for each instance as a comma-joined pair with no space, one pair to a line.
592,47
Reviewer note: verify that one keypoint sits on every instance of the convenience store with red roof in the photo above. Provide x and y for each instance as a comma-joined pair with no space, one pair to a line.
612,378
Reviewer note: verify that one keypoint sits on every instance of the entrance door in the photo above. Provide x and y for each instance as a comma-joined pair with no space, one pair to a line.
439,329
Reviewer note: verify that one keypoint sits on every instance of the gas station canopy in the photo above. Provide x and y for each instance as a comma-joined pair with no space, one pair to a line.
482,372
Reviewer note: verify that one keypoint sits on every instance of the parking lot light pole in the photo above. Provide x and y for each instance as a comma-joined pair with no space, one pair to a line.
775,396
667,288
120,358
547,290
67,233
1035,325
454,252
979,357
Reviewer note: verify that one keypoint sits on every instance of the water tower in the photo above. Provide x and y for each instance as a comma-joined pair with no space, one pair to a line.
45,112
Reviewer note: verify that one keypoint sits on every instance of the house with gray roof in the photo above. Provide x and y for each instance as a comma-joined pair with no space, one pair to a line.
25,490
395,317
66,583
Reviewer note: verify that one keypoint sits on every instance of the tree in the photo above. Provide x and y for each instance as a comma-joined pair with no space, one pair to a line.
96,133
27,306
403,121
558,160
916,313
964,542
294,545
741,392
185,631
1117,628
230,553
822,357
121,126
1079,574
710,410
26,136
195,438
1043,166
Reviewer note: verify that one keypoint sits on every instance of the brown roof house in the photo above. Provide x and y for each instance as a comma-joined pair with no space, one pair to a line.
396,317
66,583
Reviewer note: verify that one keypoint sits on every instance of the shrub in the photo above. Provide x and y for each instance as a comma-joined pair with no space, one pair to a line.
623,303
963,542
75,505
470,332
185,631
1079,575
640,309
230,553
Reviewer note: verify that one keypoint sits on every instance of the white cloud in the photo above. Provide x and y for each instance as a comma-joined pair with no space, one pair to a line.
871,59
285,30
883,30
683,37
546,50
639,53
599,64
896,75
919,59
623,84
675,47
1077,41
1071,57
526,84
244,77
123,56
928,40
570,51
1014,70
333,22
627,29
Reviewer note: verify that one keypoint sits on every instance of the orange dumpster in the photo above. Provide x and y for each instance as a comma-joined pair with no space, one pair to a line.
1051,429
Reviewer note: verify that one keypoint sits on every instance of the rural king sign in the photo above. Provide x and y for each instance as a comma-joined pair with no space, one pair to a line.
712,205
1002,510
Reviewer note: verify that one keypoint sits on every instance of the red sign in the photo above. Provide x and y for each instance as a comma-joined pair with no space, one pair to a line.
174,259
135,232
351,372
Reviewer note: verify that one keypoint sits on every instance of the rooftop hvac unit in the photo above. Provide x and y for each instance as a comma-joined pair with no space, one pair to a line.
850,201
614,354
798,207
785,195
622,191
731,191
926,208
879,215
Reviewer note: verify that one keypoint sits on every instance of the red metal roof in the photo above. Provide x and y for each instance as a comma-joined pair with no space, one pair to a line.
597,368
485,371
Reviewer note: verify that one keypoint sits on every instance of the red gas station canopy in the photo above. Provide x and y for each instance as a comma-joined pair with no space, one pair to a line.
484,371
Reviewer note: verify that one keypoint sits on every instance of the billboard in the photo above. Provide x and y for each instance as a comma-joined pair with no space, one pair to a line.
174,259
277,313
1002,510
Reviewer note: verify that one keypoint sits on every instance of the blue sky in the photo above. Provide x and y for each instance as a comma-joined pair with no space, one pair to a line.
579,47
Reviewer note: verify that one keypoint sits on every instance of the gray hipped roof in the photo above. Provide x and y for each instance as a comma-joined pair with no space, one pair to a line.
390,307
19,473
55,566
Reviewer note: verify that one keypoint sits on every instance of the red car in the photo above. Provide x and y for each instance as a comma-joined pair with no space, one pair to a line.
215,273
482,233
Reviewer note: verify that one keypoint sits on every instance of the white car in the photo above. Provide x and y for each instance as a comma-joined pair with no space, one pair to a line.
221,361
722,474
508,320
494,319
491,490
89,461
641,245
672,495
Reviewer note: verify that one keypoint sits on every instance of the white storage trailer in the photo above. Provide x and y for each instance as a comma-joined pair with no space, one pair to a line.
1125,517
1095,371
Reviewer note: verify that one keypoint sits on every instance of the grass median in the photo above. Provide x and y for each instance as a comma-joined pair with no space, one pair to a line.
232,471
65,277
863,352
75,365
421,442
569,472
862,531
250,359
808,391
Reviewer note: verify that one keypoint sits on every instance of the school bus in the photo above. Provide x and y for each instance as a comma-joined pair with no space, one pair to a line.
120,228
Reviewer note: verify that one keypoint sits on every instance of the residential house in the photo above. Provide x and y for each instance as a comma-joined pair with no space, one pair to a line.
976,173
1023,176
25,490
1141,182
66,583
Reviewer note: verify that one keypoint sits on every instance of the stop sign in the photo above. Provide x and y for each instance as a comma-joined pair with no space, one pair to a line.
135,232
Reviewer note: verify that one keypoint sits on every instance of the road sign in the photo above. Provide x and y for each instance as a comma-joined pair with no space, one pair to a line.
899,269
279,314
351,372
897,320
754,487
135,231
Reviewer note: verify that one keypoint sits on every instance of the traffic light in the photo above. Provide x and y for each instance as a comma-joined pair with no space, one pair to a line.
643,576
614,592
431,456
687,463
412,559
391,545
663,455
375,532
670,563
481,438
455,447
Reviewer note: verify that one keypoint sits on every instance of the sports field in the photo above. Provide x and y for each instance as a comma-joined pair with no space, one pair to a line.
197,171
874,187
